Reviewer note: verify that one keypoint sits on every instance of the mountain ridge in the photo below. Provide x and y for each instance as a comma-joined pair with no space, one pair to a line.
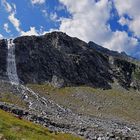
57,81
62,60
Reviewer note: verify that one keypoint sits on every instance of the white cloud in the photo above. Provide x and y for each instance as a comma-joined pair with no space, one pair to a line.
6,27
59,7
135,26
131,9
89,22
11,9
1,36
123,21
120,40
54,17
32,31
45,13
7,6
14,21
37,1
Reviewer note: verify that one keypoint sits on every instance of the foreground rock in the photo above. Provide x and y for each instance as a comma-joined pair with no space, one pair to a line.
64,61
89,128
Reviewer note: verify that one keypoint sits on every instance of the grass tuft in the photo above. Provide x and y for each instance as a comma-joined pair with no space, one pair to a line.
12,128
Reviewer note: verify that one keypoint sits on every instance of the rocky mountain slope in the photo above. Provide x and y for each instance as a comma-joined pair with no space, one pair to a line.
65,61
3,57
13,128
71,86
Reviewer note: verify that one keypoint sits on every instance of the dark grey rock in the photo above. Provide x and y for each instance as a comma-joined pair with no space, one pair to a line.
3,59
61,60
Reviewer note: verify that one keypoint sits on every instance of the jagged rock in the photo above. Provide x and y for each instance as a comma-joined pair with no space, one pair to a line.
123,67
3,59
61,60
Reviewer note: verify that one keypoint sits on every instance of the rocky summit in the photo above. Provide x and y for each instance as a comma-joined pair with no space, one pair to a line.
61,60
70,86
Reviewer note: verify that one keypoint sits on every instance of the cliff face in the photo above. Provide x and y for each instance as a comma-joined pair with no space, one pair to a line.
124,69
3,59
61,60
65,61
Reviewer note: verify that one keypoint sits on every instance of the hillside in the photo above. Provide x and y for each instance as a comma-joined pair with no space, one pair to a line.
65,61
13,128
69,86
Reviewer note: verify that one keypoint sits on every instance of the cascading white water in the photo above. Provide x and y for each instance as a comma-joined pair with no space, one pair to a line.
11,64
35,100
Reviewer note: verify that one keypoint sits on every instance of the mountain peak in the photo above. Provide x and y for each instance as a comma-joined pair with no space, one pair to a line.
68,61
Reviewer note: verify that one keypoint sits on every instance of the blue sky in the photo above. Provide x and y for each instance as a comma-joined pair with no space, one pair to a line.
114,24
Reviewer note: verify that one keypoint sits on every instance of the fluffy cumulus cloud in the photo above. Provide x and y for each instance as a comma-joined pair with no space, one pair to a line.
120,41
14,21
123,21
1,36
129,12
32,31
37,1
7,6
89,21
6,27
11,9
54,17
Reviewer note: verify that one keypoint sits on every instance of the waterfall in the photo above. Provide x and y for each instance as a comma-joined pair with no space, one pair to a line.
34,100
11,63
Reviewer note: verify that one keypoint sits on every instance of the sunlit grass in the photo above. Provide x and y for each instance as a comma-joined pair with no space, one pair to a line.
117,103
12,99
13,128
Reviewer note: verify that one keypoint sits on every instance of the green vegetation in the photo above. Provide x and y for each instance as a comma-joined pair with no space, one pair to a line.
12,128
114,103
137,74
12,99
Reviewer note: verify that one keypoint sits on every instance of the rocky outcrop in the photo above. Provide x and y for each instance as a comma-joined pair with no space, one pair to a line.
3,59
88,128
61,60
115,54
123,72
124,69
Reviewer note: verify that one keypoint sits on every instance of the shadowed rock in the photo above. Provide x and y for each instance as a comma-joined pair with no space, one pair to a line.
62,60
3,59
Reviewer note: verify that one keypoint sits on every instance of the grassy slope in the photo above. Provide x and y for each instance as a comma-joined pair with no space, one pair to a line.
13,99
7,95
12,128
116,103
137,74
